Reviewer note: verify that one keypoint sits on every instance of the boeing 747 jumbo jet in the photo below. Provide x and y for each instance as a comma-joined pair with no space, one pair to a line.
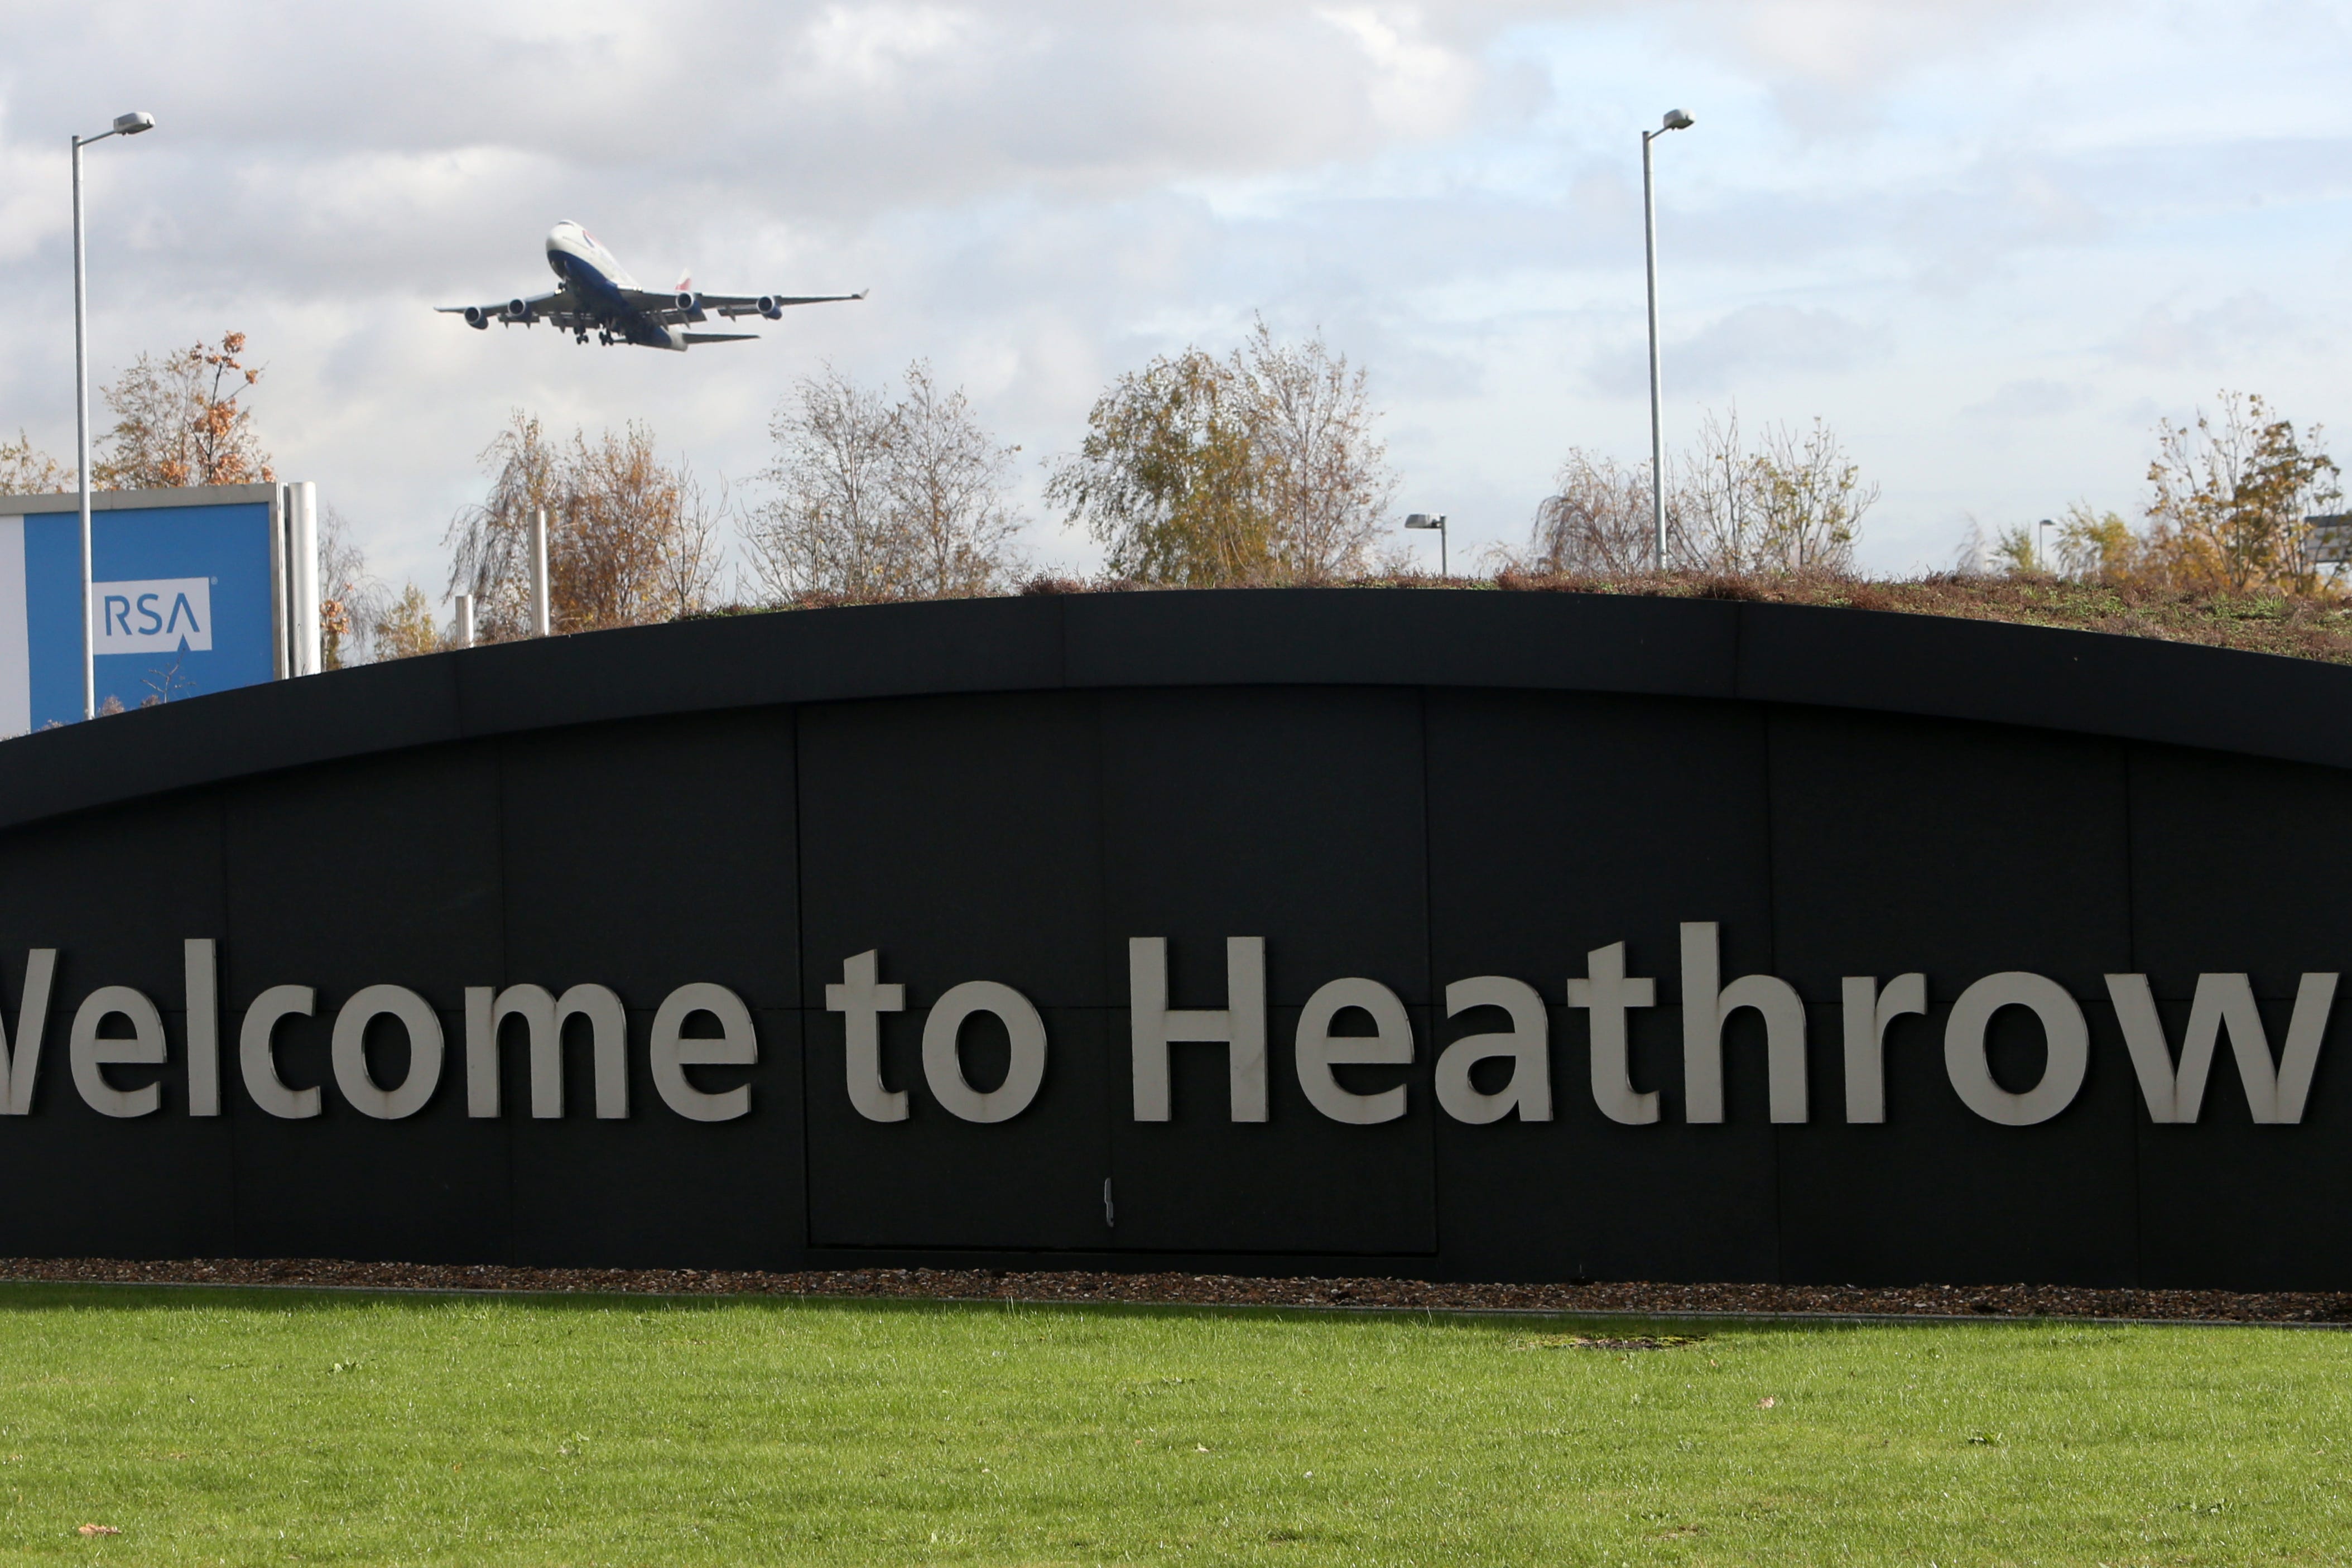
598,295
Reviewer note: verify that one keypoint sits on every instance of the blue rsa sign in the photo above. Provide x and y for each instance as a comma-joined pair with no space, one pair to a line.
190,595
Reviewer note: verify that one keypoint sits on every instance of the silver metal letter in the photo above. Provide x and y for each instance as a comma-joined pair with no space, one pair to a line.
424,1046
1868,1012
943,1067
90,1051
1705,1008
673,1053
544,1016
22,1067
1528,1044
1608,993
862,999
2273,1095
1240,1025
2068,1039
1320,1050
200,964
258,1062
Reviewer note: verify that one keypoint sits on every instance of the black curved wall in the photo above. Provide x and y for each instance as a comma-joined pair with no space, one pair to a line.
1414,787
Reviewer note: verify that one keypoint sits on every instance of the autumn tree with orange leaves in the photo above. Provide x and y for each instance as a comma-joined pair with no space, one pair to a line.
178,421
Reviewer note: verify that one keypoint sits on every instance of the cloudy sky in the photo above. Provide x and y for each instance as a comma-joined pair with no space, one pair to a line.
1992,243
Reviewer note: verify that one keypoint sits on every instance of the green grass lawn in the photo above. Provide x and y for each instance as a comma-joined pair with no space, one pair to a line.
263,1426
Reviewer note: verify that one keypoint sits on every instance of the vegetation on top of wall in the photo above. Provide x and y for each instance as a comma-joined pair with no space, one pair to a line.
2296,626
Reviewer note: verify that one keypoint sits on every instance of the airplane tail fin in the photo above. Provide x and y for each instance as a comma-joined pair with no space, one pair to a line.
685,283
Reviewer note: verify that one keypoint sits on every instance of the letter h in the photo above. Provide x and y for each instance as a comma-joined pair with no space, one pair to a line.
1240,1026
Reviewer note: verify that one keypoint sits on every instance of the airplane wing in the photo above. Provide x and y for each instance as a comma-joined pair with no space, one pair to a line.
690,305
553,306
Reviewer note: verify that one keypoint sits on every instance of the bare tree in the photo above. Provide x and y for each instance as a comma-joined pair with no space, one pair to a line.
1597,519
1793,502
949,480
882,499
350,600
828,528
1324,476
179,421
697,552
491,542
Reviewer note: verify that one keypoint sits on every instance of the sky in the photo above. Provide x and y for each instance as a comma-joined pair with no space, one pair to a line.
1990,245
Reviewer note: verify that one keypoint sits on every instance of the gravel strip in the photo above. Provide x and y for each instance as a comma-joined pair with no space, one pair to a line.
1223,1290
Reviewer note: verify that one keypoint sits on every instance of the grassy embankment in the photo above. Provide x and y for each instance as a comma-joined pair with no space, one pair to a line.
275,1427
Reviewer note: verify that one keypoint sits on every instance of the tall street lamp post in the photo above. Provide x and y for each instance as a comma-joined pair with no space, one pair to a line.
124,125
1675,119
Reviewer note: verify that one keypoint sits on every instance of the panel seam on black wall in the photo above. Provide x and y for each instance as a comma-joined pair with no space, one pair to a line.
800,982
2132,956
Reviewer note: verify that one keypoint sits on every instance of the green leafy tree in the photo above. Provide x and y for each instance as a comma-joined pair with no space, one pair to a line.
407,626
1260,467
1168,480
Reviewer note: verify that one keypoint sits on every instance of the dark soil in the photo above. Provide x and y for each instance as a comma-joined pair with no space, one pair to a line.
1226,1289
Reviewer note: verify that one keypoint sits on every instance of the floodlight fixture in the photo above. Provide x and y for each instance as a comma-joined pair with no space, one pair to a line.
1437,521
1675,119
133,123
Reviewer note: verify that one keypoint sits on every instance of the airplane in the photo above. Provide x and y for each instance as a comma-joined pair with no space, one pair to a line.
598,295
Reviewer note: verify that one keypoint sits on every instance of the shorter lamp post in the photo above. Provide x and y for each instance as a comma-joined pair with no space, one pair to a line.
2040,542
1423,519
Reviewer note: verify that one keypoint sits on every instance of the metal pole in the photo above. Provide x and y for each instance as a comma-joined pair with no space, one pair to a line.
1658,441
1442,570
303,552
539,616
81,445
465,620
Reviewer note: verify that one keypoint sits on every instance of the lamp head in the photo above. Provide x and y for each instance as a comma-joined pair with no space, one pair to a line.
1422,520
133,123
1676,119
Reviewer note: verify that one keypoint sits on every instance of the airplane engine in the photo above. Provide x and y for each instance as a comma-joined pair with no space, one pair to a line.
769,309
476,319
517,310
688,299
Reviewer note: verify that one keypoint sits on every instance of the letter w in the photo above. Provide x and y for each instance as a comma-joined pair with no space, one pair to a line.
2273,1095
543,1018
18,1069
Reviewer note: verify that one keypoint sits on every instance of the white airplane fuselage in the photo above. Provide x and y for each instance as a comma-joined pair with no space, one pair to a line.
597,278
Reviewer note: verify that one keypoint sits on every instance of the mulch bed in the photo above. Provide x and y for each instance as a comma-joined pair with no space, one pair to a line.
1221,1289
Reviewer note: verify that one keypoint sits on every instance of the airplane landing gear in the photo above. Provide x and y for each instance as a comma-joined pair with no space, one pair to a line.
606,339
580,338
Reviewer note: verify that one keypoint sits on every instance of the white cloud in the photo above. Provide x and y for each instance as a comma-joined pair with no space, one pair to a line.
1892,212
